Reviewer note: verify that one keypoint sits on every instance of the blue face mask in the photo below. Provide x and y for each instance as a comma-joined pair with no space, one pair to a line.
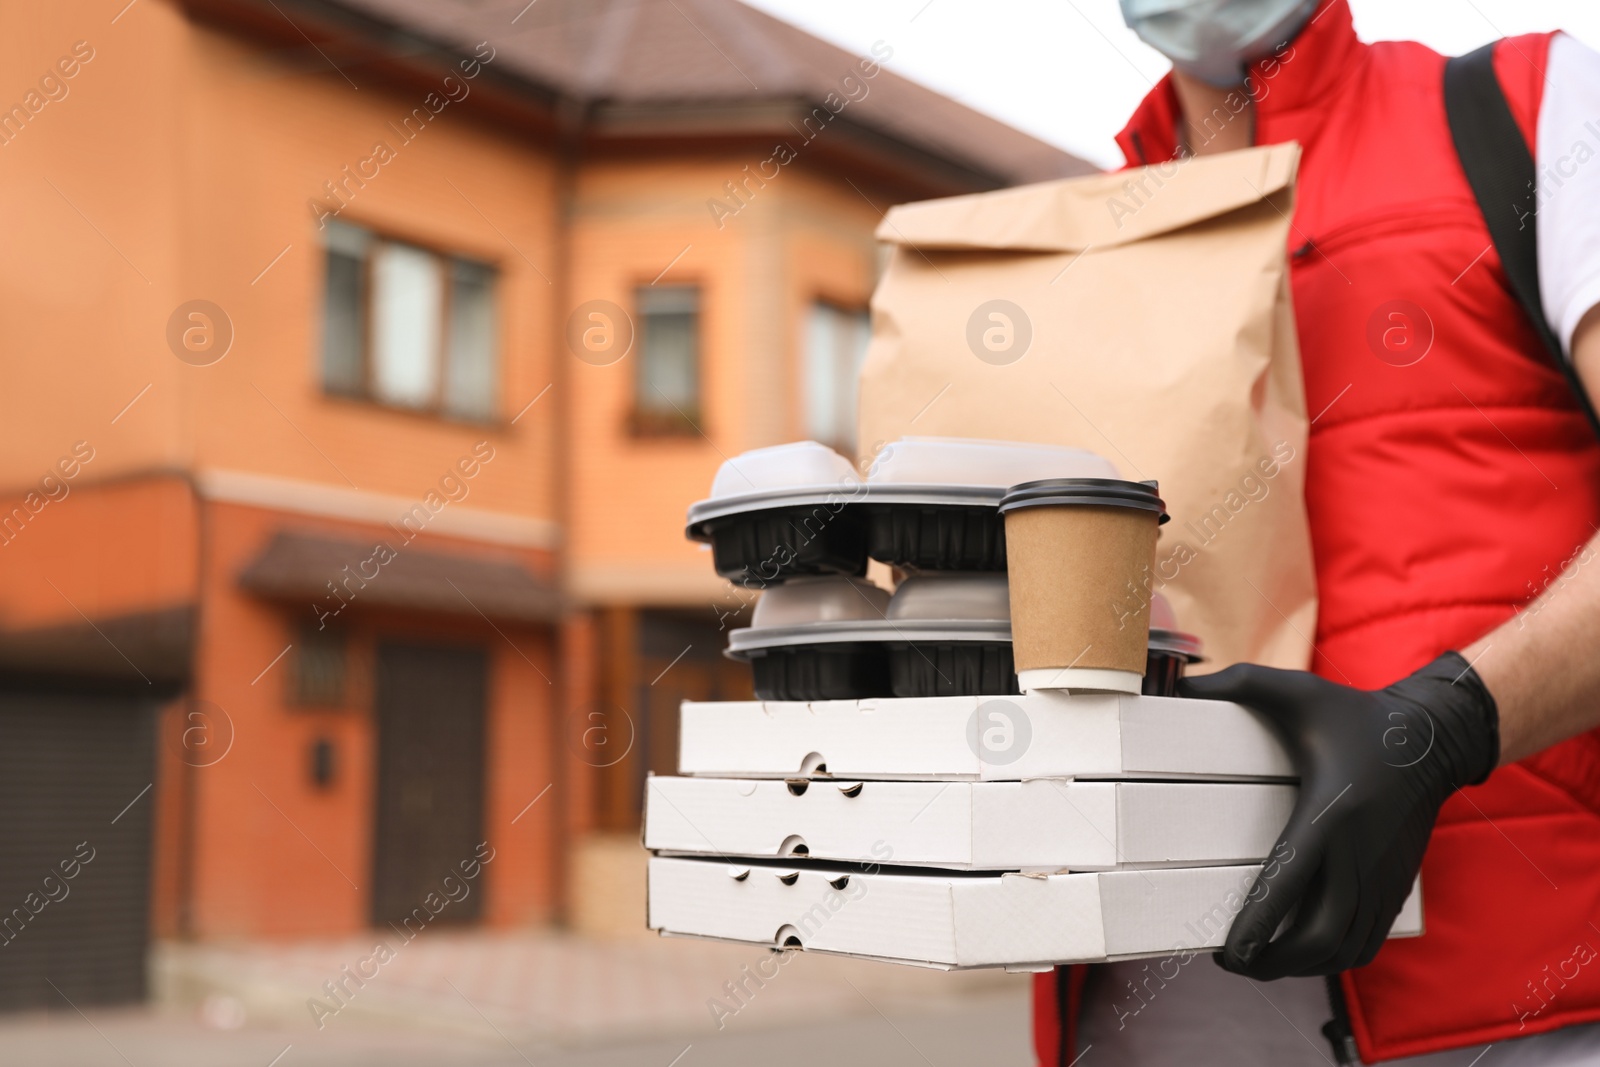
1214,40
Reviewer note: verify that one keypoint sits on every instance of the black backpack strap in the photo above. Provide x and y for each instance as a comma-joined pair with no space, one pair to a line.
1500,169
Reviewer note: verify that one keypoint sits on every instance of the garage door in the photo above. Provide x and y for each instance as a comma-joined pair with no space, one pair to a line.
74,848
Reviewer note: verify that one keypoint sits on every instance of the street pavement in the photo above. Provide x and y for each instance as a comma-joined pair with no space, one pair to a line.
531,999
988,1028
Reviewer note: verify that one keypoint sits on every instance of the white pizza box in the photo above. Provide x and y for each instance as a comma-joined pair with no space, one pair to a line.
1041,824
1044,734
951,919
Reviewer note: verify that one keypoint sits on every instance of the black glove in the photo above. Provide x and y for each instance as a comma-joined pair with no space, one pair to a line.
1375,767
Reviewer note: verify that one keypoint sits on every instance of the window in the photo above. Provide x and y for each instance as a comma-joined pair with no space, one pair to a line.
835,344
667,386
319,668
408,327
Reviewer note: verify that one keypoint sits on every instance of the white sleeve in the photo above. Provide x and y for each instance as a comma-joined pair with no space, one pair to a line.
1568,165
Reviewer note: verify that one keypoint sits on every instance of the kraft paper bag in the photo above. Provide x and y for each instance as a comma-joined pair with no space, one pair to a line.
1144,315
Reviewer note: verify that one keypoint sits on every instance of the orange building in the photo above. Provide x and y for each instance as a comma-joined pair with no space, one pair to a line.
361,360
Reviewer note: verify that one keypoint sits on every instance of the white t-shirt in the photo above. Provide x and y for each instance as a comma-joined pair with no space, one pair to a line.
1206,1016
1567,156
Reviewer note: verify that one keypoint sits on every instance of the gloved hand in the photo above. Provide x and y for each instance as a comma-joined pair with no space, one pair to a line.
1375,767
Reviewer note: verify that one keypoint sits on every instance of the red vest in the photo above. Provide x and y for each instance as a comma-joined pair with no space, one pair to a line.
1450,474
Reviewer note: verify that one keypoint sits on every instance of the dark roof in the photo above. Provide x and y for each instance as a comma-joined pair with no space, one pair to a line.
629,61
300,566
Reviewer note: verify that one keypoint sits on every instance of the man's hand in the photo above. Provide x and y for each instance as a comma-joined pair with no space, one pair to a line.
1374,767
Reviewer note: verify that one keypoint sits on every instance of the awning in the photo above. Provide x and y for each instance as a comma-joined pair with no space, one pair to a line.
300,566
144,652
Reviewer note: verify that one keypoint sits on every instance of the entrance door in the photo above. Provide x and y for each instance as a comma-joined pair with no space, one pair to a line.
430,711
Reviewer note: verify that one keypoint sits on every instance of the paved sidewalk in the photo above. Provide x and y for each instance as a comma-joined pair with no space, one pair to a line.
538,992
988,1028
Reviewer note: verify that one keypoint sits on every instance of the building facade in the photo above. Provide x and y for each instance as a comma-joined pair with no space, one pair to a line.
362,359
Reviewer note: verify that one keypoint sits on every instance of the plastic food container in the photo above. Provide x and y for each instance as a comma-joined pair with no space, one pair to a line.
775,513
1171,650
931,501
840,638
843,639
953,636
817,638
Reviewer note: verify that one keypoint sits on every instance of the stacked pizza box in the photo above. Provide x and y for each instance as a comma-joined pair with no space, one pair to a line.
892,793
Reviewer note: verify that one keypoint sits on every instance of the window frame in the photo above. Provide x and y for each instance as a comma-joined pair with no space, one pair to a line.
655,424
446,258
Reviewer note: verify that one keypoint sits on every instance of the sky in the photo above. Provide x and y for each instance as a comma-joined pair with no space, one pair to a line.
1069,72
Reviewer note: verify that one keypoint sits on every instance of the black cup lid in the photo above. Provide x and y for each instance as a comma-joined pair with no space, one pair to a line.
1092,492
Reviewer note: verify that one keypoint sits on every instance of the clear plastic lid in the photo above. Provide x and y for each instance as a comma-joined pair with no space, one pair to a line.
973,461
952,596
799,464
830,598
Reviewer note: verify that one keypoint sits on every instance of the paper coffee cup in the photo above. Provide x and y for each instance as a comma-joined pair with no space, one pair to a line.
1079,556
